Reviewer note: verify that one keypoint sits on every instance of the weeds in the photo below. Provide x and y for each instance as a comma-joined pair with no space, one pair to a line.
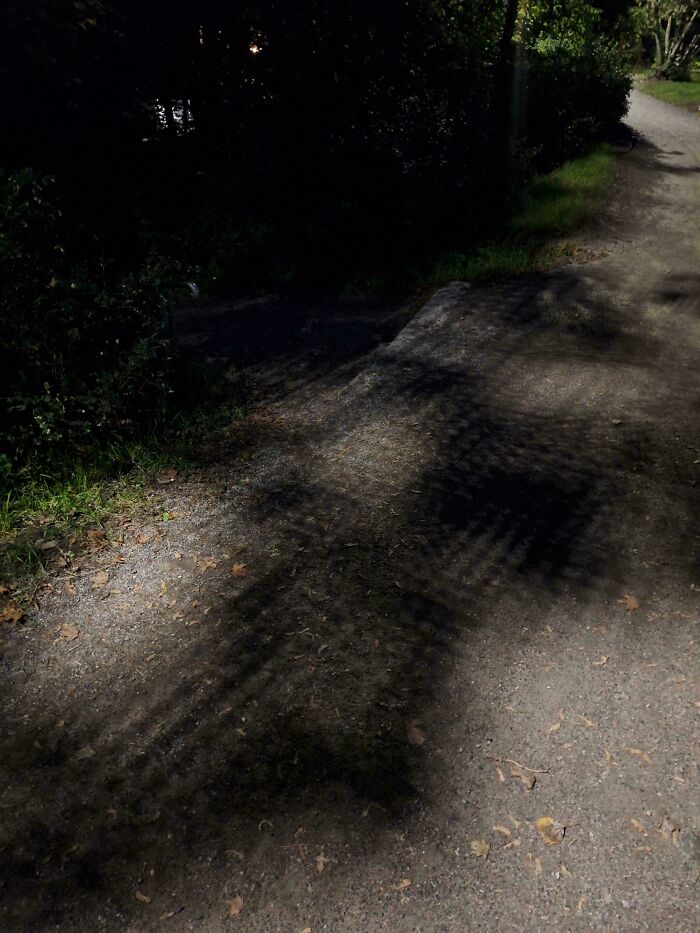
72,496
552,206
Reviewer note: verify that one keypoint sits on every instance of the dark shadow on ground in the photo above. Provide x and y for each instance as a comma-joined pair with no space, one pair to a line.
370,573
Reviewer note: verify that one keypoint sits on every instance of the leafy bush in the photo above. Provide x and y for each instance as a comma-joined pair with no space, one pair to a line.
85,352
578,91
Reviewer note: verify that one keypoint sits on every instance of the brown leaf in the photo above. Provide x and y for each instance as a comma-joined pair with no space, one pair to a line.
555,728
480,848
11,613
565,873
235,906
68,632
604,658
638,826
205,563
609,759
584,721
142,897
516,823
630,603
96,537
101,578
637,753
239,570
414,733
513,845
69,587
170,914
402,885
551,832
321,862
526,778
85,752
48,545
501,775
668,831
166,476
500,828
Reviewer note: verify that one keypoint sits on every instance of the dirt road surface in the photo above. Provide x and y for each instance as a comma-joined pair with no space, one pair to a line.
465,599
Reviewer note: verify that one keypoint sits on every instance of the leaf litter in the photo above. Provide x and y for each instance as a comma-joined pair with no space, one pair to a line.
480,848
551,832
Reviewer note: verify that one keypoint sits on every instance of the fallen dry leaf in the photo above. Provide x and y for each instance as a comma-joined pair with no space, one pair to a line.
513,845
166,476
69,587
516,823
527,778
85,752
565,872
239,570
604,658
101,578
480,848
637,753
642,850
639,826
500,828
402,885
580,903
11,613
668,831
168,915
68,632
235,906
549,830
555,728
142,897
501,776
205,563
609,759
414,733
630,603
321,862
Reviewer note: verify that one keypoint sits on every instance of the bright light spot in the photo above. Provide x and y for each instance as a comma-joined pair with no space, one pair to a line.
255,49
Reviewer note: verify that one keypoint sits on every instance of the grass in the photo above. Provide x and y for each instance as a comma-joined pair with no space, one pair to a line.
70,497
681,93
553,206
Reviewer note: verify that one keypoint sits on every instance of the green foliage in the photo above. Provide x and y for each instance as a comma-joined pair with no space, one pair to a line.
552,206
670,33
681,93
578,82
85,352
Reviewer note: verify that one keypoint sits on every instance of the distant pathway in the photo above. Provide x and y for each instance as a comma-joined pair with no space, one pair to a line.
446,585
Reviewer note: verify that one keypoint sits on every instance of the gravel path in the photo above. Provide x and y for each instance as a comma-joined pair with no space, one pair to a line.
447,587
